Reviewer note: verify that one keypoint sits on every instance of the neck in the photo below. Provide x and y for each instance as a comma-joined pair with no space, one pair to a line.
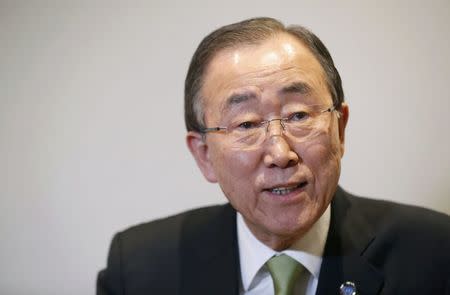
277,242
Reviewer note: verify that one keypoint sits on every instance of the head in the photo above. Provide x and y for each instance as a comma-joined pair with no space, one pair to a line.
259,69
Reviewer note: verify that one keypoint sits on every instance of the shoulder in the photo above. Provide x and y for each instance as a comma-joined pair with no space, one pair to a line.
398,232
388,216
163,235
147,255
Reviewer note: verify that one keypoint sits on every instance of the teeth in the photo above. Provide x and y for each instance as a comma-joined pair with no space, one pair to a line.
283,190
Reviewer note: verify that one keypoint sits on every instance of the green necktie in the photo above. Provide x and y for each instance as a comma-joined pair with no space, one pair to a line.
285,272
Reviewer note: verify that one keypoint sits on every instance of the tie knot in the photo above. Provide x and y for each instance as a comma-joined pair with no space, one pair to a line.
284,271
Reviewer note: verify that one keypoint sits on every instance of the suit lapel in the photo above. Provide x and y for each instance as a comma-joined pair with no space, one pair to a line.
209,253
343,260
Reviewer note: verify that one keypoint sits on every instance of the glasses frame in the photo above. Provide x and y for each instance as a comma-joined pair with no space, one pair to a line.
206,130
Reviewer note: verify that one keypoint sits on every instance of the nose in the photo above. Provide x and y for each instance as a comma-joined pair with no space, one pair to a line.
279,152
274,128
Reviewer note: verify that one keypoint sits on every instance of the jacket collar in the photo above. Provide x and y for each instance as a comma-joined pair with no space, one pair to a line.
349,236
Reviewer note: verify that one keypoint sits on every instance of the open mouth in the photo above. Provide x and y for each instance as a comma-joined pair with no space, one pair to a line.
286,190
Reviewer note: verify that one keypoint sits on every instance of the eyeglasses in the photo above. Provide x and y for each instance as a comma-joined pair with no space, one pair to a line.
302,125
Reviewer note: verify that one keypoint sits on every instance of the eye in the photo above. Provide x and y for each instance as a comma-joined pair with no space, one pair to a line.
298,116
247,125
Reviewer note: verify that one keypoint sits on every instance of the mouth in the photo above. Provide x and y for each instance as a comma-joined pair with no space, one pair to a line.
285,190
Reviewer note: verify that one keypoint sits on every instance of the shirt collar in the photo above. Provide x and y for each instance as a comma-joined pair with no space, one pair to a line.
307,250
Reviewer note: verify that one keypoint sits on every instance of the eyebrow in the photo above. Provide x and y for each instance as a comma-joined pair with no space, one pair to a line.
296,87
238,98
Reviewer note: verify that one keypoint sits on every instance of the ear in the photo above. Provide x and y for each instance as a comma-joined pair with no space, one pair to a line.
199,149
343,119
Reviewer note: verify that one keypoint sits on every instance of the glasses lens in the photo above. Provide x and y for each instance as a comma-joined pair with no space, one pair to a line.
253,135
247,138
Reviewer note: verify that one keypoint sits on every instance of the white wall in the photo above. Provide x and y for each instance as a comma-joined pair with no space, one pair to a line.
92,131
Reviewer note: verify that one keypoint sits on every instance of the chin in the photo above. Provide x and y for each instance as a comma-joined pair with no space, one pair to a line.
290,228
299,223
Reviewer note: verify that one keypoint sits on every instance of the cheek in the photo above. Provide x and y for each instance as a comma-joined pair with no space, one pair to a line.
234,166
323,157
236,172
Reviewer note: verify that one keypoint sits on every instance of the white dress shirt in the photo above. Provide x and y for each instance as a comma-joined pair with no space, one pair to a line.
253,254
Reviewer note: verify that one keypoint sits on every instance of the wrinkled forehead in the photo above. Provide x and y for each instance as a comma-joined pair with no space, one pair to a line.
263,70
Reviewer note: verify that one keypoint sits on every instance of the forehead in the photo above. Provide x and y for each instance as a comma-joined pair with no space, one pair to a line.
262,71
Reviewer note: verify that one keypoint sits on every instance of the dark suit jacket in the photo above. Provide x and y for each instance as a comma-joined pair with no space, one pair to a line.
383,247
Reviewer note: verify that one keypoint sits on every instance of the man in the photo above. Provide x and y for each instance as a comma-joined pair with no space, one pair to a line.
266,119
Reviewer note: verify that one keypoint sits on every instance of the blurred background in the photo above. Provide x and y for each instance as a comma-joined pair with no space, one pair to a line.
92,130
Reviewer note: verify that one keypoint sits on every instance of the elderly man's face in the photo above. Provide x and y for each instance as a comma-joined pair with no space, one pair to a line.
282,185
